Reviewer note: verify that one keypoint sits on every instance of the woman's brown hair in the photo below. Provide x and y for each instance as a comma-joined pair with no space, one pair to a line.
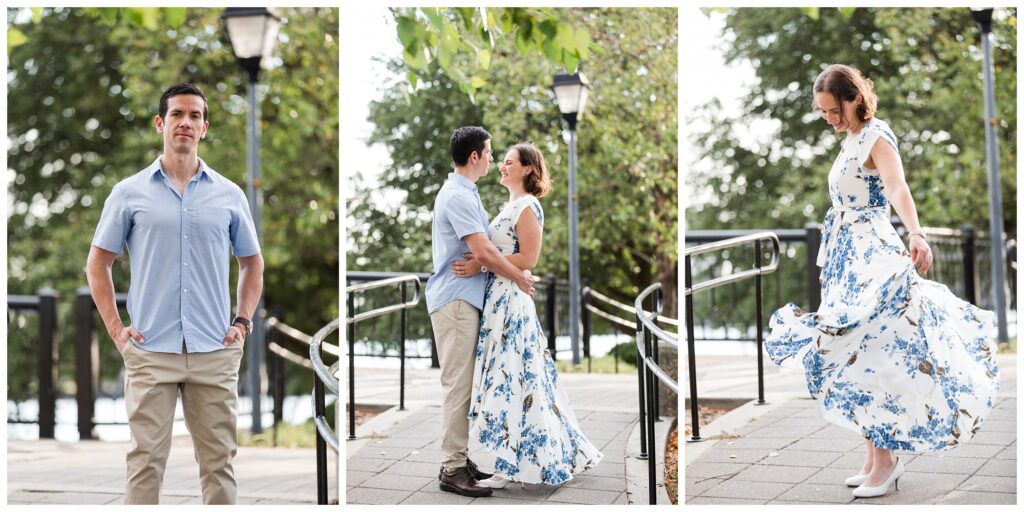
845,83
537,182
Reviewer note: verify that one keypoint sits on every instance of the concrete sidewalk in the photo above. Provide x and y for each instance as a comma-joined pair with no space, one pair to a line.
397,456
785,453
93,472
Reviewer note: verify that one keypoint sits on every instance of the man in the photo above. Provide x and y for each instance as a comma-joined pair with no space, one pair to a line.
460,225
178,217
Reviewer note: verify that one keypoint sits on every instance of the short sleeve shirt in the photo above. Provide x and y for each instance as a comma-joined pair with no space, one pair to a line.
179,248
458,213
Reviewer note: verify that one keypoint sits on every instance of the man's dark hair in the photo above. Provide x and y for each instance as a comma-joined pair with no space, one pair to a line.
178,89
465,141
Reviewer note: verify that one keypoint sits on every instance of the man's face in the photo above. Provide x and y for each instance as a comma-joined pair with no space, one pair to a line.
483,162
183,126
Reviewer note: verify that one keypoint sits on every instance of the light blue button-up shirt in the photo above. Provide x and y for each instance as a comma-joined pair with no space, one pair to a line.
178,249
458,213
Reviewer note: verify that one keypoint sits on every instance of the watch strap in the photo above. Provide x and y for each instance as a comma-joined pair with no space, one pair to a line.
245,323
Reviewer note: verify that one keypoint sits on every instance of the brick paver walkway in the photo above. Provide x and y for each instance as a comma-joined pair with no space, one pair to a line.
93,472
791,455
399,464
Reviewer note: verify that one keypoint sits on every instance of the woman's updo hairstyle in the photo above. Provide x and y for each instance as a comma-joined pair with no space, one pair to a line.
537,182
845,83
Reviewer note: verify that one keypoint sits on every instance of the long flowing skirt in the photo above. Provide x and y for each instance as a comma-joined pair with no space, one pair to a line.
889,354
519,411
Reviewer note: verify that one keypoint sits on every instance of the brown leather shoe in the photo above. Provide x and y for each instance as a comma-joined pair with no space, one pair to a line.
475,471
462,482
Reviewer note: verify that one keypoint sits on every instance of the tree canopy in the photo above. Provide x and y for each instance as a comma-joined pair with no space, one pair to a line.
627,164
927,70
83,89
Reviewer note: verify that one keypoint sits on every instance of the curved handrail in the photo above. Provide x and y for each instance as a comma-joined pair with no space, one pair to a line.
299,336
772,266
648,334
648,322
386,309
625,307
322,372
321,422
326,376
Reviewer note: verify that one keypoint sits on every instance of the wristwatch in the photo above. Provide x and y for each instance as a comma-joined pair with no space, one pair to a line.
245,323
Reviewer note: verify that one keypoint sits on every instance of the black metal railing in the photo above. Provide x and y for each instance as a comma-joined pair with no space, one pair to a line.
756,272
402,282
961,262
87,360
325,435
604,307
551,299
44,304
648,336
279,336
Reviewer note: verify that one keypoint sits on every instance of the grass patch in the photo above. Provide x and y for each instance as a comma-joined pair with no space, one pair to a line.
1009,348
287,435
604,364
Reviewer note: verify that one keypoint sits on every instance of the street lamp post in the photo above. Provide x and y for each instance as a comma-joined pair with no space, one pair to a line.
252,32
571,92
984,19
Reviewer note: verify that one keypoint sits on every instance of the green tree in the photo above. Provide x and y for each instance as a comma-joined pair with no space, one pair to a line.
451,37
627,154
926,67
82,96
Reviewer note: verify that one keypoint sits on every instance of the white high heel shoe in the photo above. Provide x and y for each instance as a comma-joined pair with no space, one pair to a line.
874,492
856,480
494,482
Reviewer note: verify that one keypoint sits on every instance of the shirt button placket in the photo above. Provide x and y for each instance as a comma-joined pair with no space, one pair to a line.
187,228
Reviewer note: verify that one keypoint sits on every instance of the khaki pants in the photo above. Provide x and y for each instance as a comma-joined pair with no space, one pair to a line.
208,383
456,329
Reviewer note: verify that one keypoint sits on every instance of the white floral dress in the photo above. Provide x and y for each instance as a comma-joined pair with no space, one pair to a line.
519,411
891,355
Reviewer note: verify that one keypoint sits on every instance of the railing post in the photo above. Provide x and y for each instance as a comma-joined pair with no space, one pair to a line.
652,408
585,317
351,368
86,363
47,362
552,315
813,242
652,340
401,354
691,356
321,444
967,247
435,362
758,292
277,367
640,373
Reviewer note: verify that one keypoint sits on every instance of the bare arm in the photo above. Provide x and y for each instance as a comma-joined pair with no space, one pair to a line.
101,284
528,231
487,254
250,287
884,157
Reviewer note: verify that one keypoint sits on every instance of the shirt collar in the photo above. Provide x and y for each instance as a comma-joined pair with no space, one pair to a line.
462,181
155,169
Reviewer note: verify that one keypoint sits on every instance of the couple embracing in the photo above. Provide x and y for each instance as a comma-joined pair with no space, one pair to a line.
500,384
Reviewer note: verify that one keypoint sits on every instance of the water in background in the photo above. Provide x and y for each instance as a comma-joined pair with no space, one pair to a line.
297,409
417,352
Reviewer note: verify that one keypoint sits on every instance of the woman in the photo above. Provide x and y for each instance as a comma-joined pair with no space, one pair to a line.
519,411
893,356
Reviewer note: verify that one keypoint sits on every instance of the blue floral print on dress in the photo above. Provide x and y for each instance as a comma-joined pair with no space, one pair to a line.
891,355
519,411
